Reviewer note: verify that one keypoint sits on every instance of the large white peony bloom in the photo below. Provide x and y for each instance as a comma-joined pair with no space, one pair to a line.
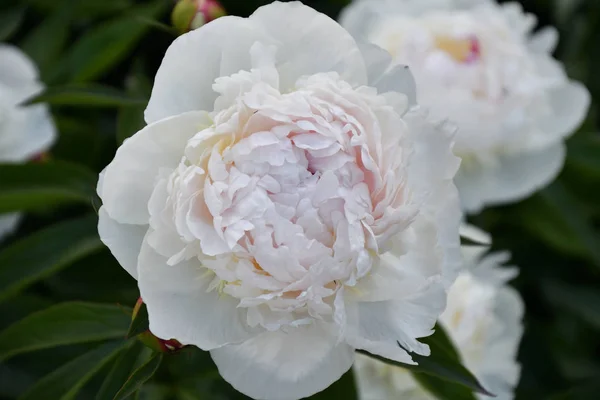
25,132
283,208
483,319
479,64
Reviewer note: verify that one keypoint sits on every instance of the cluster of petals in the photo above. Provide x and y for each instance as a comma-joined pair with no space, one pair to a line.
481,64
483,319
287,202
25,132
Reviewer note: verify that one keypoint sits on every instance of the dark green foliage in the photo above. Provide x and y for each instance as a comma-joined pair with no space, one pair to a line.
65,302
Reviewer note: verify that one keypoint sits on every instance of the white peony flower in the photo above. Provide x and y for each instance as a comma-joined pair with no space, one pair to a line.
282,208
25,132
483,319
478,63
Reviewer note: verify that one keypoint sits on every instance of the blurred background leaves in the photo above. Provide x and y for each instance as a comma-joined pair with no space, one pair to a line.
65,302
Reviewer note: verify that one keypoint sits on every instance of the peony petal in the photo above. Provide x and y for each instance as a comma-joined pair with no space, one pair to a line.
8,223
285,365
34,132
123,240
128,181
378,327
193,62
544,40
16,69
386,77
309,42
474,234
513,178
179,306
570,104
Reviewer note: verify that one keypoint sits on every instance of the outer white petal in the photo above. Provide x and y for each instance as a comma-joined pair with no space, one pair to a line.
123,240
475,234
309,42
285,365
34,132
386,77
544,40
193,62
570,104
8,223
512,178
500,371
432,169
16,69
378,327
128,180
180,307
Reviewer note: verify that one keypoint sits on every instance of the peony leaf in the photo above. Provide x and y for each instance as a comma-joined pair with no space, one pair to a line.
139,377
86,95
45,42
10,20
122,369
443,389
557,217
131,119
581,301
46,252
65,382
105,45
44,185
66,323
139,323
444,363
343,388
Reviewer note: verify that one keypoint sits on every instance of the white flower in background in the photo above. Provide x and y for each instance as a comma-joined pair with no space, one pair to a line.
25,132
481,65
483,319
281,208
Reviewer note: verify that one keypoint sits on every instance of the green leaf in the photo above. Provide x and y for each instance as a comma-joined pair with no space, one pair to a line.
84,9
558,218
10,20
39,186
88,95
104,46
443,363
443,389
45,253
131,119
121,370
65,382
66,323
581,301
45,42
586,391
583,151
139,377
140,322
343,388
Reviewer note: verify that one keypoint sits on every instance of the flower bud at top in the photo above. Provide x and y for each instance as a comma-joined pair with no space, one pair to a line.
191,14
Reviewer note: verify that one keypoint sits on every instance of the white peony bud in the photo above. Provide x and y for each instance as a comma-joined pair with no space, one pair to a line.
25,132
284,207
480,64
483,319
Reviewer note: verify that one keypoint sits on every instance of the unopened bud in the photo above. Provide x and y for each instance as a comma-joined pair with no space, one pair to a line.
191,14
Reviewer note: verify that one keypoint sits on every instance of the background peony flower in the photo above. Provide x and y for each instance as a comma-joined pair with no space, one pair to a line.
25,132
480,64
287,202
483,319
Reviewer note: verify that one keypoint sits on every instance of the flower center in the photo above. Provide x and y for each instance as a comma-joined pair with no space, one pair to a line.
461,50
